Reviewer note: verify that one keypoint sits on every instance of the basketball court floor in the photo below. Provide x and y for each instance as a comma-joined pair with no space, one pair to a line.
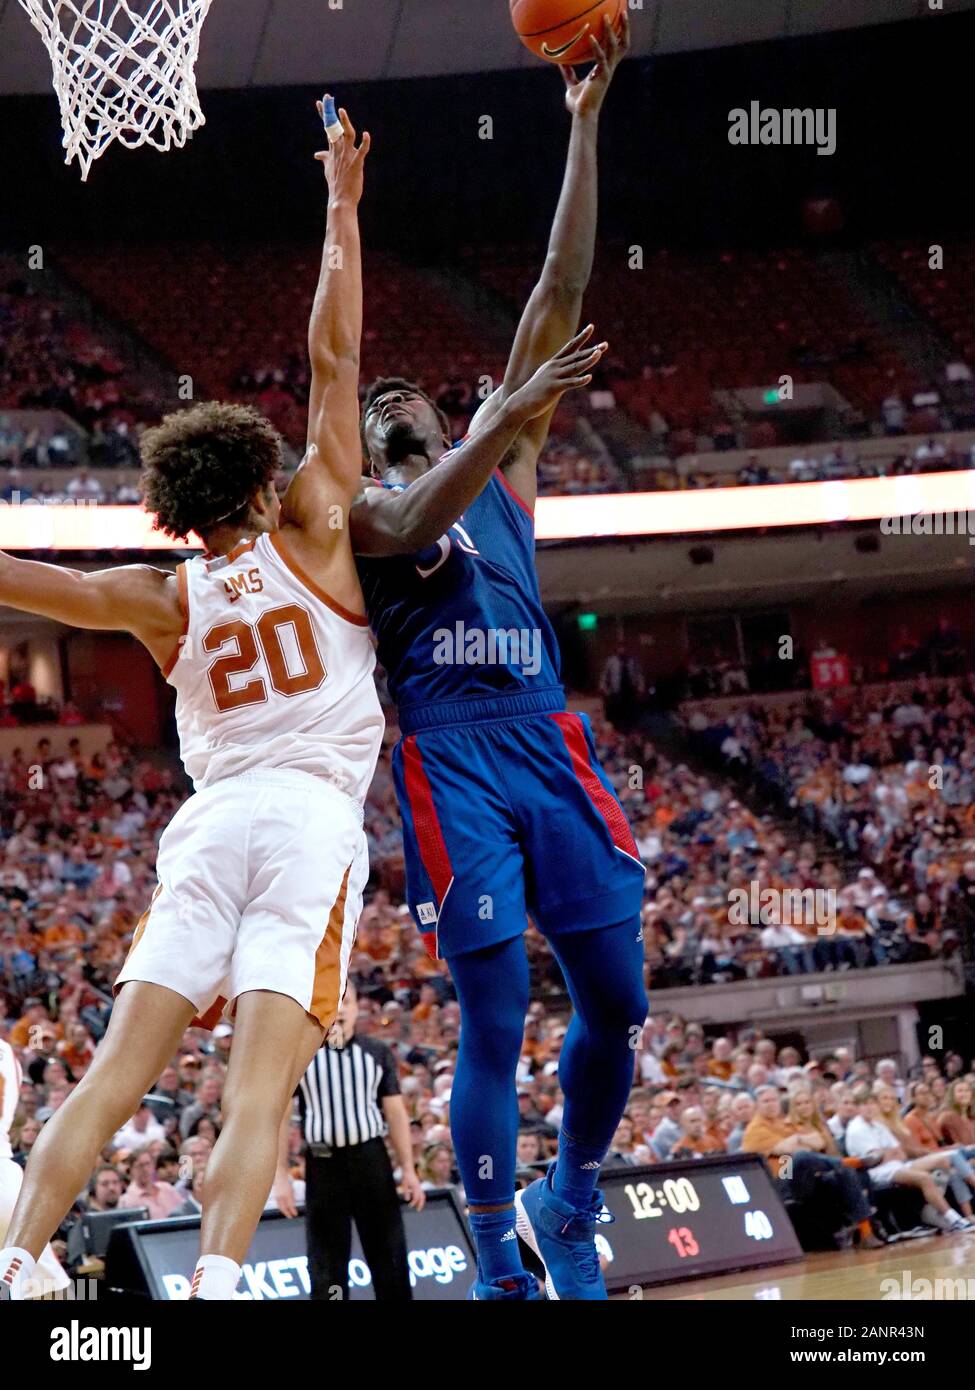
910,1269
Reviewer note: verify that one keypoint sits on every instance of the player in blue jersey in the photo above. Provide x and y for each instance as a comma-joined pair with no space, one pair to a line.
505,808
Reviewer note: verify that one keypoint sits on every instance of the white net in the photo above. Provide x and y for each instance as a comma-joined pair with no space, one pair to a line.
123,70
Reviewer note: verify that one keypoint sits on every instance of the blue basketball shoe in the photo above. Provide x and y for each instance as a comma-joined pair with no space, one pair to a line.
564,1239
524,1288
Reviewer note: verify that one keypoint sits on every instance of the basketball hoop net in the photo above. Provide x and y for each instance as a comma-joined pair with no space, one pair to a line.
123,70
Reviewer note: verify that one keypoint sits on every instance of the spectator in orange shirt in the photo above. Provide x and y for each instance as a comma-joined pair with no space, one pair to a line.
61,931
696,1138
955,1122
769,1132
850,920
31,1023
671,1059
720,1063
645,1117
797,1161
77,1050
922,1118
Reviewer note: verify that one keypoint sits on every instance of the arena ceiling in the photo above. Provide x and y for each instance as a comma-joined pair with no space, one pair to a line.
280,42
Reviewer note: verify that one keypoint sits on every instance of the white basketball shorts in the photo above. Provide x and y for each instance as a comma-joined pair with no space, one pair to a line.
260,887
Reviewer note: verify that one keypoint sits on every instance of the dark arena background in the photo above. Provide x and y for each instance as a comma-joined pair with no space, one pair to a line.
754,542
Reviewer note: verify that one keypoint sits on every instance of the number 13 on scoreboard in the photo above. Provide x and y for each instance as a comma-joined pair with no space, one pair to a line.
682,1239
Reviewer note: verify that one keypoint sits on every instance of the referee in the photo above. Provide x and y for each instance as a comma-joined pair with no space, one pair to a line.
349,1099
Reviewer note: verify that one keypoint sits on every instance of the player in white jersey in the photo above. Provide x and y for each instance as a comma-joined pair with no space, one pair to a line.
261,872
48,1277
266,642
280,728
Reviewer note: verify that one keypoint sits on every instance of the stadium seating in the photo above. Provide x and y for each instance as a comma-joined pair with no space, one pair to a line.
684,329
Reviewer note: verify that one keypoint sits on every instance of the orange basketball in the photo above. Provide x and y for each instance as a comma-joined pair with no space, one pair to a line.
556,29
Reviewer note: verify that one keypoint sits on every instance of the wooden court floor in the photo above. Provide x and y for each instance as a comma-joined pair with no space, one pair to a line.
914,1265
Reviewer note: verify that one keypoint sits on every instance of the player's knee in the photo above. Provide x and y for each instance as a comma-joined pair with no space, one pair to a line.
112,1098
617,1004
511,1037
252,1103
500,1034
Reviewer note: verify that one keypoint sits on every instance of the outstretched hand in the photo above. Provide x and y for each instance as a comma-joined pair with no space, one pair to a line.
585,97
344,163
570,368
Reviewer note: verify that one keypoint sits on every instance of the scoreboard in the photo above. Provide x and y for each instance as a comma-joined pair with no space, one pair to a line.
685,1220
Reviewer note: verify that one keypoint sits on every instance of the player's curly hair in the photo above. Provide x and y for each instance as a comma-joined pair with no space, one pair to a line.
203,465
397,383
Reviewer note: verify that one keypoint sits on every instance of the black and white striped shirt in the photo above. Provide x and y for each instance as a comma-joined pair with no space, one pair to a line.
339,1095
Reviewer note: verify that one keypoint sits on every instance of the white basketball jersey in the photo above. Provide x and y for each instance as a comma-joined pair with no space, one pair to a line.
272,673
9,1092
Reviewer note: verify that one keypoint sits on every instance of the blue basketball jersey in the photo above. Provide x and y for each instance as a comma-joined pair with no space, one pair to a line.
501,793
464,618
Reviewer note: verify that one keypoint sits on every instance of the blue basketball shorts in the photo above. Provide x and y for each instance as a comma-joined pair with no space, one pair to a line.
511,816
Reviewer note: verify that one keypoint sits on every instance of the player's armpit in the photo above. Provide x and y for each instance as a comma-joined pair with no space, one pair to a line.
520,464
139,599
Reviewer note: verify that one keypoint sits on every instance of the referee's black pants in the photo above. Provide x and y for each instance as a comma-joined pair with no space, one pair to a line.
355,1184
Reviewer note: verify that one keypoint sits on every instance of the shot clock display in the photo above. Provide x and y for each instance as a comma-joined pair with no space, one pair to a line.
684,1220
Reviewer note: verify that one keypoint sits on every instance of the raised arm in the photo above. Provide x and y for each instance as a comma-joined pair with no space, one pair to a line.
399,523
332,467
129,598
552,312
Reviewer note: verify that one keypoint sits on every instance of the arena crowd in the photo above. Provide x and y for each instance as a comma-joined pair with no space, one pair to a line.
77,854
887,774
626,433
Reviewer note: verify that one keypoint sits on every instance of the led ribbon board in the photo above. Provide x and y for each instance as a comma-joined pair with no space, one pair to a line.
32,525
